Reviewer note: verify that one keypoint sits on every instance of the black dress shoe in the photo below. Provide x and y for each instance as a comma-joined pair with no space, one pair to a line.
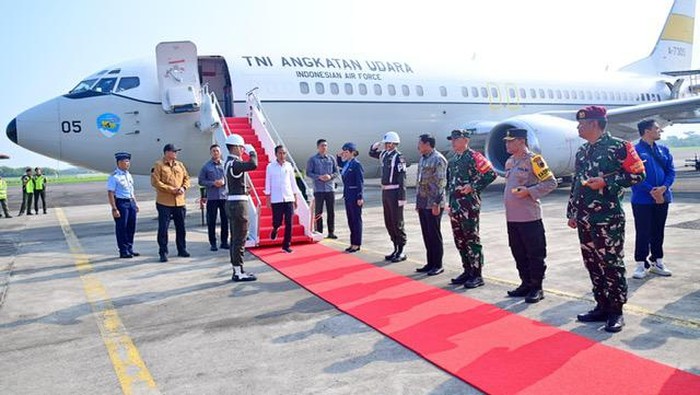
331,236
391,256
352,250
224,246
287,250
461,279
534,296
595,315
163,257
273,234
125,256
183,254
213,248
436,271
474,282
519,292
135,253
614,323
424,269
398,258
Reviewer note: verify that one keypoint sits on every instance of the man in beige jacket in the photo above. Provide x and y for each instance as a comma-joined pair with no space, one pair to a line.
170,179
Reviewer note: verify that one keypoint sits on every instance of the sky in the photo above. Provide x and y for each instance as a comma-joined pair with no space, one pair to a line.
49,46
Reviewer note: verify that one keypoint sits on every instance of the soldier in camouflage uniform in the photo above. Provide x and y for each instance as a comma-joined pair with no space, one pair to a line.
468,173
604,166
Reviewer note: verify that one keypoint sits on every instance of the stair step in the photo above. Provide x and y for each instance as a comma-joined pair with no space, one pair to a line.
266,242
296,231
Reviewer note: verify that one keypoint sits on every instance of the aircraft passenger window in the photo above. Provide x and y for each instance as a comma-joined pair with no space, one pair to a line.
484,92
647,96
658,97
419,90
597,95
624,96
304,87
377,89
105,85
581,95
494,93
363,89
320,89
405,91
533,93
443,91
605,95
523,93
567,95
573,95
126,83
541,93
589,95
83,86
465,91
334,88
475,92
115,71
391,89
348,89
558,94
550,93
511,93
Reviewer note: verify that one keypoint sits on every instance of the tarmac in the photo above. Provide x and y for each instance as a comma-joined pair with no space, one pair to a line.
76,319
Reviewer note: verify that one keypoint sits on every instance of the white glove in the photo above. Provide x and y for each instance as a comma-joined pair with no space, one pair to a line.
377,146
402,203
249,148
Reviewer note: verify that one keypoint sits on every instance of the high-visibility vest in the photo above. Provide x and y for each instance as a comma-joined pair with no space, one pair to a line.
39,182
3,189
29,188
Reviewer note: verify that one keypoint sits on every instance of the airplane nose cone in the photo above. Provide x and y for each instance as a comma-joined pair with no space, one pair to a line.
12,131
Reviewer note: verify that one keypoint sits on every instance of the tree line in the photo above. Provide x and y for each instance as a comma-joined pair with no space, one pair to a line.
47,171
691,139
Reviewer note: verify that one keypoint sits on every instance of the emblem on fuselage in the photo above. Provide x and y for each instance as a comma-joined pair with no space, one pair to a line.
108,124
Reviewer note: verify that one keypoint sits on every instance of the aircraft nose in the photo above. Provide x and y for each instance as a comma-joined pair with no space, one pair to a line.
12,131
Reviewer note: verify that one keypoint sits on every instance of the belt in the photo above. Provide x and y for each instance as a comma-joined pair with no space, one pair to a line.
123,199
387,187
237,198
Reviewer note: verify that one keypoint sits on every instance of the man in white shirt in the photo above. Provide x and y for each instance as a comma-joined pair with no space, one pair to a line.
281,191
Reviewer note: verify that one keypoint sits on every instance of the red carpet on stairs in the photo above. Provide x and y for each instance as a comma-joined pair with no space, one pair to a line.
494,350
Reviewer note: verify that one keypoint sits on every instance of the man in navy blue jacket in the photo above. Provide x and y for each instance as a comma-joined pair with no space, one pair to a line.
650,200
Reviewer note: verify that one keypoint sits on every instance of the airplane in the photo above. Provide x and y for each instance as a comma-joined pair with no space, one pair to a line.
140,105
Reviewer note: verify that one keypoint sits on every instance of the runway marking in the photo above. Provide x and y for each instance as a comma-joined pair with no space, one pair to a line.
679,321
131,370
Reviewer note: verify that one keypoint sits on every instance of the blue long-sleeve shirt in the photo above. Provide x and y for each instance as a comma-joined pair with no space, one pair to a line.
319,165
211,172
658,165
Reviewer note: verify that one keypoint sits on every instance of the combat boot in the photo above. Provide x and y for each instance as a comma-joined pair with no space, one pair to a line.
390,257
598,314
615,321
640,271
399,256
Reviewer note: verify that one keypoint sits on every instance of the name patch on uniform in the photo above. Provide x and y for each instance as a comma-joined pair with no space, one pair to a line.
633,163
482,164
540,168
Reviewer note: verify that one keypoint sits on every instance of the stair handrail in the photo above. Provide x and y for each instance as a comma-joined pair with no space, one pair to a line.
257,115
254,228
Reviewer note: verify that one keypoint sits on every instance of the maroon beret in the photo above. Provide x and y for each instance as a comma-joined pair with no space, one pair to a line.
591,112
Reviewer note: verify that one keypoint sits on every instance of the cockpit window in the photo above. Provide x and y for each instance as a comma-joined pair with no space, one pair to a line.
105,85
83,86
115,71
127,83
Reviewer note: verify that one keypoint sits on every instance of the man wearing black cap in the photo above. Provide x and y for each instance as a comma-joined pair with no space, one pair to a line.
120,192
527,179
27,192
468,173
604,166
170,179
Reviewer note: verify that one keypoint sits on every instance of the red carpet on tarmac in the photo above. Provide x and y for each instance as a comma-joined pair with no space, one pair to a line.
494,350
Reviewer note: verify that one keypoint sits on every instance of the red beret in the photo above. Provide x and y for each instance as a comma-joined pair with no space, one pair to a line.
591,112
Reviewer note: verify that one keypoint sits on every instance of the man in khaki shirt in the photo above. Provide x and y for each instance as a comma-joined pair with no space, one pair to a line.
170,179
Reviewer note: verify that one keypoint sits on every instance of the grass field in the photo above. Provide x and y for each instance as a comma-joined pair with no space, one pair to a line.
75,179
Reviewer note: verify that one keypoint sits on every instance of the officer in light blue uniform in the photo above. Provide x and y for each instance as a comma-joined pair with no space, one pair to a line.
120,192
352,174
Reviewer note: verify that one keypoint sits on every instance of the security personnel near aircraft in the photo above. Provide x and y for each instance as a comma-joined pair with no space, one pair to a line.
120,192
468,173
528,178
27,192
39,190
393,167
237,201
352,174
604,166
3,197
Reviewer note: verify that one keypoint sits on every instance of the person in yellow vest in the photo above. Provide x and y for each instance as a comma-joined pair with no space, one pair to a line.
3,196
39,190
26,198
29,191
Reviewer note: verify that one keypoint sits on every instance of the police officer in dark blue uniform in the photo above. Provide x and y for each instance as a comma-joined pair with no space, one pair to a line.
120,192
352,174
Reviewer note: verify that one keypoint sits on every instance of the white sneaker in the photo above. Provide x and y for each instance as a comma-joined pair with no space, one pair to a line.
659,268
640,271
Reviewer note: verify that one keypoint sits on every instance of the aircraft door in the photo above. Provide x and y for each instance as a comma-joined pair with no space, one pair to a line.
178,76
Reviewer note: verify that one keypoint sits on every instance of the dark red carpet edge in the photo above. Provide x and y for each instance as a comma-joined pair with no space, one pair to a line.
490,348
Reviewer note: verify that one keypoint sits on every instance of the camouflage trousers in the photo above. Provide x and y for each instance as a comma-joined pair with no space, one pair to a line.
465,229
602,251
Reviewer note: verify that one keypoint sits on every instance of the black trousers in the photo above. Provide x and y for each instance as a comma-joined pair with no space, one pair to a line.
432,237
3,202
125,225
27,199
354,214
283,210
393,216
178,215
39,193
237,212
529,248
215,206
649,224
327,198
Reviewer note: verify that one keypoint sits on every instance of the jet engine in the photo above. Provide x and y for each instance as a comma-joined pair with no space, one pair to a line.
553,137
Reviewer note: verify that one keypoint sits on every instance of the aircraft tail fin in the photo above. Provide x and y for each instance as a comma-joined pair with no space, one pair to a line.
674,48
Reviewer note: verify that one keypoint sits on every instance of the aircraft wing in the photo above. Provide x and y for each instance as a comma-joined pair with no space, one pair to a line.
622,121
